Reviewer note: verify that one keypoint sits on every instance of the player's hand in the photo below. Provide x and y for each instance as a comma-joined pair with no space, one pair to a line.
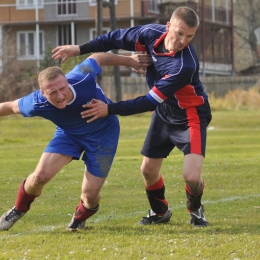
96,109
65,52
141,62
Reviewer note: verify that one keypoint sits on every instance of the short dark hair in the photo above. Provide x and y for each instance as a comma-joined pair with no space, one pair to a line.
187,15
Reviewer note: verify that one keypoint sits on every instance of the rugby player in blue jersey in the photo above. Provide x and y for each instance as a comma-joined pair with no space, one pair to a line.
60,99
182,112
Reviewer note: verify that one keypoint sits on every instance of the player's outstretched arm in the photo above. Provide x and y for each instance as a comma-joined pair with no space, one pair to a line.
139,62
9,108
98,108
64,52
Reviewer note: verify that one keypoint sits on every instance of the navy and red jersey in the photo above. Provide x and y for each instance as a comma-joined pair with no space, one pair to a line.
173,78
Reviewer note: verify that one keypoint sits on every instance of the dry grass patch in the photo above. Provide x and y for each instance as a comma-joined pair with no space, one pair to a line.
236,100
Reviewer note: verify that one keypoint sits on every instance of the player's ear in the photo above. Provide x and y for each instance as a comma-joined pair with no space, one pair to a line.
42,91
168,24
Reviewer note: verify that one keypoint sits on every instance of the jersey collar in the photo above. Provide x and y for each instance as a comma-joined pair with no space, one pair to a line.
74,94
156,44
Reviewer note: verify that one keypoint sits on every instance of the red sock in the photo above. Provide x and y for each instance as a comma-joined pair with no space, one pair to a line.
193,201
82,213
155,195
23,200
158,185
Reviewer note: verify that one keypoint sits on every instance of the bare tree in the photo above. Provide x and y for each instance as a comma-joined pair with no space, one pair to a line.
112,11
247,21
16,78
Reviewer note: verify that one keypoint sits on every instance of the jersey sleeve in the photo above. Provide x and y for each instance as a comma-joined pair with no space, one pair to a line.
26,105
126,39
130,107
158,94
79,72
177,87
166,87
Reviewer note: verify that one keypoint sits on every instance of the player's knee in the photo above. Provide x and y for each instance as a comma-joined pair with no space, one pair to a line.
146,175
192,177
39,178
146,170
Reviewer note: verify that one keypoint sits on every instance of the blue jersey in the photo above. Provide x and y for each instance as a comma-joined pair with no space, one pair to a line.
173,78
84,87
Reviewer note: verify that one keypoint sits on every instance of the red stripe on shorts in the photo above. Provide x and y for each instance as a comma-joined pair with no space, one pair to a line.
195,134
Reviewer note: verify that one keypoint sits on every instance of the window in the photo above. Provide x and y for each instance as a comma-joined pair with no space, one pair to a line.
92,35
92,32
1,50
26,45
29,4
66,7
257,34
94,2
64,34
153,6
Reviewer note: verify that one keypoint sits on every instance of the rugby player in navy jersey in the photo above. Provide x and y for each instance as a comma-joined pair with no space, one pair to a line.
182,112
60,99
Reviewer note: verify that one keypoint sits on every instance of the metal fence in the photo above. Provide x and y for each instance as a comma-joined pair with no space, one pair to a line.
136,86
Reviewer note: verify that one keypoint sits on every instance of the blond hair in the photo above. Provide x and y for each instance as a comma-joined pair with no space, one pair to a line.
187,15
49,74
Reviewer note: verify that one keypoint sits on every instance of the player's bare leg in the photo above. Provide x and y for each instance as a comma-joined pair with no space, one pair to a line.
155,189
194,188
30,188
89,201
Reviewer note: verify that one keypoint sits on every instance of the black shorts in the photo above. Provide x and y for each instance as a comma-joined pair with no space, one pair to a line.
173,126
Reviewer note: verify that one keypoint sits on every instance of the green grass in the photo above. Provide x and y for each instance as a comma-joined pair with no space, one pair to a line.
231,197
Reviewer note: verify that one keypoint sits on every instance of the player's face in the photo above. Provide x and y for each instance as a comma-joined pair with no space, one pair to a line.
57,92
179,35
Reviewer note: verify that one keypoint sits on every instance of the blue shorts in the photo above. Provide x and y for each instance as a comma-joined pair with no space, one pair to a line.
175,127
98,150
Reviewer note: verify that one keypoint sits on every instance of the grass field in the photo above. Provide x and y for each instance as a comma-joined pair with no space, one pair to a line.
231,198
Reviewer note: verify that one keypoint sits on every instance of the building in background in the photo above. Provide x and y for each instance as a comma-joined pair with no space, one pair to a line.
30,29
213,41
